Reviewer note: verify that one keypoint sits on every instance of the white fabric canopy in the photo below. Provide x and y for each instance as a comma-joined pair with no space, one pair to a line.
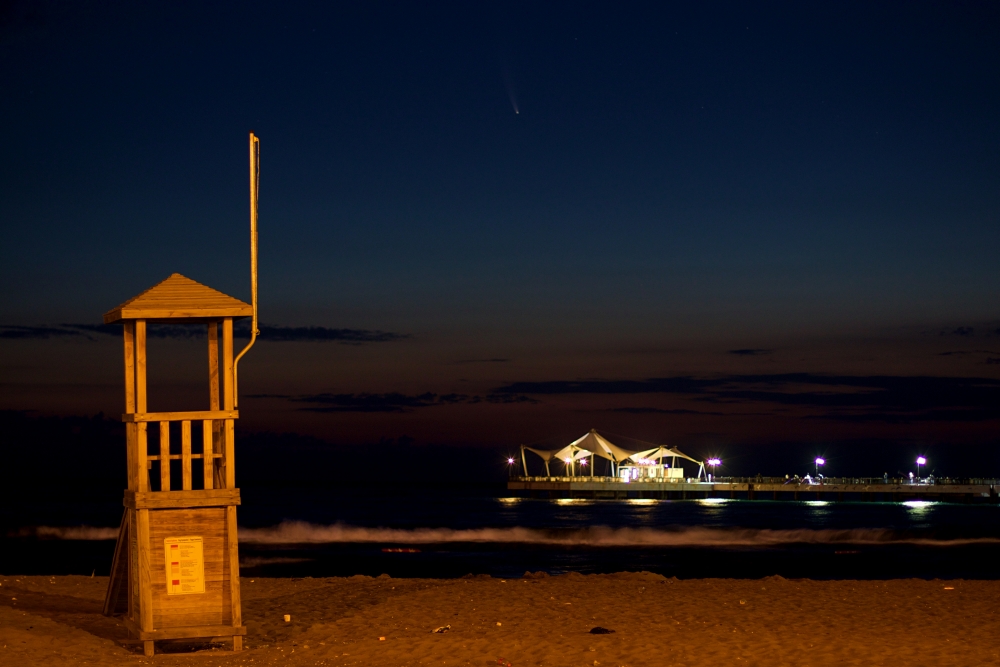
662,453
573,452
594,444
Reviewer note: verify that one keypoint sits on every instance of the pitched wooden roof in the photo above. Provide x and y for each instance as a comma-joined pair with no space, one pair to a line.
179,297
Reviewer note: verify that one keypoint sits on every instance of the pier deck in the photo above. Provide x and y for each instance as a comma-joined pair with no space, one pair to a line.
758,489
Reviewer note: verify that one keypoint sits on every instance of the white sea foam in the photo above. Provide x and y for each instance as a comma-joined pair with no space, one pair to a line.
297,532
73,532
300,532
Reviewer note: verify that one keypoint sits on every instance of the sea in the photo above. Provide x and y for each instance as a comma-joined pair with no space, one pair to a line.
324,531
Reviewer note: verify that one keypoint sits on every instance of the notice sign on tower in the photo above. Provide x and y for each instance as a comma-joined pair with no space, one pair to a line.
185,561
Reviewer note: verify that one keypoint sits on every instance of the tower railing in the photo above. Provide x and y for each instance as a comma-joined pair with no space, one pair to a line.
211,427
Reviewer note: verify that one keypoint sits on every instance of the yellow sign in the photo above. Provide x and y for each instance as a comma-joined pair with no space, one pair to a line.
185,561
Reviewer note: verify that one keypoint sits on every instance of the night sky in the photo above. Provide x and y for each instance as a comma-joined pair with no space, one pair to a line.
711,225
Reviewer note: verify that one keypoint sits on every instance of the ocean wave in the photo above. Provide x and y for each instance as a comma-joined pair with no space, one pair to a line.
299,532
69,533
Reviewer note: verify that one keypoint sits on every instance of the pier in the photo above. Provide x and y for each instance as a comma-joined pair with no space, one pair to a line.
758,488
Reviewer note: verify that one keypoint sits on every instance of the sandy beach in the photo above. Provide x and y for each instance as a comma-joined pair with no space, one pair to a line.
534,621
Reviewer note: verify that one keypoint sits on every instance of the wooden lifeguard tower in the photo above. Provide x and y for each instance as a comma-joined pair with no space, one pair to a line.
175,573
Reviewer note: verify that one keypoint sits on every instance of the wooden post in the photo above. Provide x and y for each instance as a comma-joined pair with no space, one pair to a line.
145,578
214,393
164,456
228,437
208,460
232,547
142,477
186,454
129,335
213,365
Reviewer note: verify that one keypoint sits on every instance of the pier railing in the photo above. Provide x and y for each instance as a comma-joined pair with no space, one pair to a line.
792,482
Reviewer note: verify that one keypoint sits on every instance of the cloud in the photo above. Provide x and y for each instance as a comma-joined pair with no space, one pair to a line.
750,352
41,332
674,385
959,331
270,333
510,398
498,360
322,334
962,353
664,411
389,402
835,397
392,402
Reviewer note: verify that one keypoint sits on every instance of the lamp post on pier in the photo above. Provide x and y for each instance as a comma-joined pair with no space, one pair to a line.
819,462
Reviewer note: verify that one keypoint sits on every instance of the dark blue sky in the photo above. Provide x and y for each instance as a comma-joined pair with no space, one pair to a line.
820,181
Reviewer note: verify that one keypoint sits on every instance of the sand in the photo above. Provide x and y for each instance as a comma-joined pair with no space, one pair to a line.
534,621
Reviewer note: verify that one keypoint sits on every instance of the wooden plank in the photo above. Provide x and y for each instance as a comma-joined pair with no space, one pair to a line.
141,458
179,311
186,455
208,462
211,607
228,403
129,366
130,456
195,632
215,398
227,364
173,457
141,447
133,565
118,581
230,454
213,365
232,546
182,499
145,575
164,456
193,415
140,366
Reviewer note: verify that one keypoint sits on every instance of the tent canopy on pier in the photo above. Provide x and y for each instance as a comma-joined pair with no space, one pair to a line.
594,444
662,452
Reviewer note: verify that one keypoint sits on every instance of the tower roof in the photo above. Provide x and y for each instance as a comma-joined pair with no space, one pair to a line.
179,298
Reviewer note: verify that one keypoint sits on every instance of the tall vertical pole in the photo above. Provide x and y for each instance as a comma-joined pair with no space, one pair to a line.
254,183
